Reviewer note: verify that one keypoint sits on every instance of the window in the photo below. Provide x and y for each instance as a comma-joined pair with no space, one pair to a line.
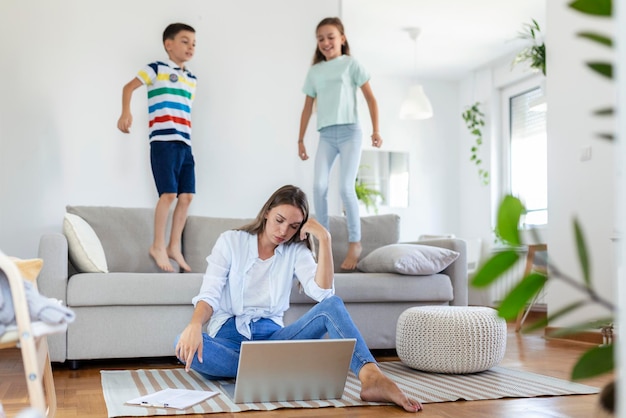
525,151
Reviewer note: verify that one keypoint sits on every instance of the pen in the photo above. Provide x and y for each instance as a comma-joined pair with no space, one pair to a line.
155,405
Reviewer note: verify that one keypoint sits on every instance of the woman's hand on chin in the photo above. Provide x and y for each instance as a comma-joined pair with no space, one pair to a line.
314,228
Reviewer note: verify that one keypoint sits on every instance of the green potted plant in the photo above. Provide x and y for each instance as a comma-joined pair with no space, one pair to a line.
535,52
368,195
475,121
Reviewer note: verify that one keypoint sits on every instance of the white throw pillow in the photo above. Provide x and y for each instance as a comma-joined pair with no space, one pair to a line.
84,246
410,259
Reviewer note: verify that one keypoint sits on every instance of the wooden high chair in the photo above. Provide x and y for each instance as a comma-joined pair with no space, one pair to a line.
30,337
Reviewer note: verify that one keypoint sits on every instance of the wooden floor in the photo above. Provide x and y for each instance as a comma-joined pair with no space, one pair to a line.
79,393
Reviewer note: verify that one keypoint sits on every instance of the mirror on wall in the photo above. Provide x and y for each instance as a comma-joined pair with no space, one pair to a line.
387,172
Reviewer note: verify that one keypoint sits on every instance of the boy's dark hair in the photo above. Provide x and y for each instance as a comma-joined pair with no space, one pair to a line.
173,29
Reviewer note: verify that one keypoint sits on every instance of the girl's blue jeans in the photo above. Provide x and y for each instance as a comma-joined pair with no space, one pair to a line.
221,354
343,141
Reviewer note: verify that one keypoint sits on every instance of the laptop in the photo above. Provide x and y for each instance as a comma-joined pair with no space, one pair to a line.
291,370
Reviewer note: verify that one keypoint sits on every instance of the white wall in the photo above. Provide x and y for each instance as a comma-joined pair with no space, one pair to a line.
433,155
66,63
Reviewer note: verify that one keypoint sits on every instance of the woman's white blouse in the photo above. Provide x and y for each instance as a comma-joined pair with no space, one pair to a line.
230,261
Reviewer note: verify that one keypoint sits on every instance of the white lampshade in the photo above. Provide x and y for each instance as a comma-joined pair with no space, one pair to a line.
416,105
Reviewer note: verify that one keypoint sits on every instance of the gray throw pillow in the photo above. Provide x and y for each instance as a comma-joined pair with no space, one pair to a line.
410,259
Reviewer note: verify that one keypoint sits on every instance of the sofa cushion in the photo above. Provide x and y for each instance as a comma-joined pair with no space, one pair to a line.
126,235
356,287
376,231
199,237
84,246
411,259
132,289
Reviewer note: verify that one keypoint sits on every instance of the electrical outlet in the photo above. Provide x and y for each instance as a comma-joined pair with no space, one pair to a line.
585,153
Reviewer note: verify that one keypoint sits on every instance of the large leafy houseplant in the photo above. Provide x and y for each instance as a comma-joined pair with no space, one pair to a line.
597,360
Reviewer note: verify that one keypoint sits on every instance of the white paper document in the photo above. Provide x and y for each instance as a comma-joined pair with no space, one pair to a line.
173,398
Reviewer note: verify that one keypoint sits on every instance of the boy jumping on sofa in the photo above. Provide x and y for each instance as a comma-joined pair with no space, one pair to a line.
170,87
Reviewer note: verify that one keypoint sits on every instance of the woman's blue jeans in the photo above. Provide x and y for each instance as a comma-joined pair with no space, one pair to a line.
221,354
343,141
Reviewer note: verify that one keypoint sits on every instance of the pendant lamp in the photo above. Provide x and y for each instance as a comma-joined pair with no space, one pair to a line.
416,106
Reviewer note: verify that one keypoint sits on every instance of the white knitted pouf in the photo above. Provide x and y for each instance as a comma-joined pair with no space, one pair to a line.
450,339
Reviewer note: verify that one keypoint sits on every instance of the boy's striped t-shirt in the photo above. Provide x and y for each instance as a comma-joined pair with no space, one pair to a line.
171,92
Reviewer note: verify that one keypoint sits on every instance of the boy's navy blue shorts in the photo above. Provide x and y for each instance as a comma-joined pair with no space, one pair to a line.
172,167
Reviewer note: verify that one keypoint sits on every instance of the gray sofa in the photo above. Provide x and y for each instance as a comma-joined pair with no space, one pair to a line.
134,310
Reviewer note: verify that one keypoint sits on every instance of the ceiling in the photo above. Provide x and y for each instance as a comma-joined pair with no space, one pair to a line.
457,36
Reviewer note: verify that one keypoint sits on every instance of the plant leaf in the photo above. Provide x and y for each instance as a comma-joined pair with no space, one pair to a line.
521,294
609,137
583,256
562,312
494,268
594,362
538,324
575,329
593,7
595,37
607,111
509,214
603,68
542,323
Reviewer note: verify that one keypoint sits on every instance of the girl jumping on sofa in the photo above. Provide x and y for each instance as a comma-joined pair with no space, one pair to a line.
333,81
276,243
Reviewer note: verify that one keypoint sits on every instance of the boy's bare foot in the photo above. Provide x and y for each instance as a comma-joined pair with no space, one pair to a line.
352,258
376,387
177,256
161,258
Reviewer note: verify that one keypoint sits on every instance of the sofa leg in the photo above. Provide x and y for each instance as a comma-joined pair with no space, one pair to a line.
74,364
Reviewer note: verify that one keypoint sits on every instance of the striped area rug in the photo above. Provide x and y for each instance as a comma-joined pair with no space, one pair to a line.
498,382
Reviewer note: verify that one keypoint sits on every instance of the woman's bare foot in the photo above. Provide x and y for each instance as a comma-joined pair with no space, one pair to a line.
352,258
177,256
376,387
161,258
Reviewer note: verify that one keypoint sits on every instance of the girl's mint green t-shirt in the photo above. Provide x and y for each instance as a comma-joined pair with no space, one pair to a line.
334,84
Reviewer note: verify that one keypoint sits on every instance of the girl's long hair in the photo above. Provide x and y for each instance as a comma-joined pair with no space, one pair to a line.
286,195
336,22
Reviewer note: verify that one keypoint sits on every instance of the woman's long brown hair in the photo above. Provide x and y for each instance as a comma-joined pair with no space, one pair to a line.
286,195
